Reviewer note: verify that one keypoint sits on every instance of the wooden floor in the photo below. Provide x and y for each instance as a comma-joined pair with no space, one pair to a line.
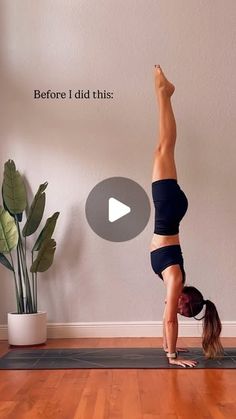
117,393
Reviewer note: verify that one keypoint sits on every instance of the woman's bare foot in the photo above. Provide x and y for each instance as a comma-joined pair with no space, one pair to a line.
163,86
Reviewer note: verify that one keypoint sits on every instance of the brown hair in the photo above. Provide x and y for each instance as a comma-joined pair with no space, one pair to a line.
212,326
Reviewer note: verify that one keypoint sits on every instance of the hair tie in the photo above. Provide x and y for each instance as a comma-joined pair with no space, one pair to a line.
204,301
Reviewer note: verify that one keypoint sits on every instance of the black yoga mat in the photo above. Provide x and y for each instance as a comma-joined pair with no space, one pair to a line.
33,359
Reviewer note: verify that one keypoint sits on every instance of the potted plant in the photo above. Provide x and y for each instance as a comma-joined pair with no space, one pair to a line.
28,325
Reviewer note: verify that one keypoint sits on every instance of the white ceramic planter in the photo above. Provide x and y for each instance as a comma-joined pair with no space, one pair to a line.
27,329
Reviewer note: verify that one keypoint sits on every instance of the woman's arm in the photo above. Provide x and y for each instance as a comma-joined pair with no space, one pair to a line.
174,288
171,334
170,330
164,344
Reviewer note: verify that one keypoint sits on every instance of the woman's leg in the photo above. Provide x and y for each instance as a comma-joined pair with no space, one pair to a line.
164,162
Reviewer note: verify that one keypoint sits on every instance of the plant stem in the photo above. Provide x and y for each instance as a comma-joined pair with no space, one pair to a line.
29,303
19,308
33,284
36,293
20,280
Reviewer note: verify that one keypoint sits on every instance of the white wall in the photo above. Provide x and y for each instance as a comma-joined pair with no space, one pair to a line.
113,45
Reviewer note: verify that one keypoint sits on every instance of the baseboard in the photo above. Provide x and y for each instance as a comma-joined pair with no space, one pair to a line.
123,329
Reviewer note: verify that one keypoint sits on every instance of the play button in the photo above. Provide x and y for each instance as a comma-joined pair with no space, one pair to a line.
117,209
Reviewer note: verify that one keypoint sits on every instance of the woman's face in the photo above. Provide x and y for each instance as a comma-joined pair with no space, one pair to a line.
183,300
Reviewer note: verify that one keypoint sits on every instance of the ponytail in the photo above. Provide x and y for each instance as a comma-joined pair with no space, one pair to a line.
212,327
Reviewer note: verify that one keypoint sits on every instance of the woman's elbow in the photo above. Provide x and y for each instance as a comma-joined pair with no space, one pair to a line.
170,321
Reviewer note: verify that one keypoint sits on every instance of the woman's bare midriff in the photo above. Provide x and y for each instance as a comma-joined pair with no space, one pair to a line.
160,241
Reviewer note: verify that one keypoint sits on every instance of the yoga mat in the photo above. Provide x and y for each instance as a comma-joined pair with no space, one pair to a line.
65,358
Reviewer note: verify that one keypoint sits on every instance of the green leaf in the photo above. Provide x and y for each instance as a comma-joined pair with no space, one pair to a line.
5,262
45,256
8,232
13,189
47,231
36,211
18,216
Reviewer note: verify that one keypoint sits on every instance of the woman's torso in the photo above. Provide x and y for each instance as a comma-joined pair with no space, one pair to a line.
160,241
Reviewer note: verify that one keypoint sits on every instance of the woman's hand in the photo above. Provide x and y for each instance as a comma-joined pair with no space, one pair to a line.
183,362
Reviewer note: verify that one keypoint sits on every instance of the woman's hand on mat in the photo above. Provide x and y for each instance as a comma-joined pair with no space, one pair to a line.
183,362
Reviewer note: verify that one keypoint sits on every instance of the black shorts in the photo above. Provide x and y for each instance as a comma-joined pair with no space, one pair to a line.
170,206
166,256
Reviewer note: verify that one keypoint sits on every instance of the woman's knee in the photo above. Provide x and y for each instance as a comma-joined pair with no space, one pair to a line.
165,148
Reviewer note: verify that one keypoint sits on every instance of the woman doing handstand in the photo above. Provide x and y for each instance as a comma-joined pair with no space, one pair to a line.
166,256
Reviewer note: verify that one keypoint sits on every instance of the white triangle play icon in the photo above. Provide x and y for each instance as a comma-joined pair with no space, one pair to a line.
117,209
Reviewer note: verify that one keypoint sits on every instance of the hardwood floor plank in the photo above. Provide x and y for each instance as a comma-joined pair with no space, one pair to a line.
125,397
6,407
151,389
11,383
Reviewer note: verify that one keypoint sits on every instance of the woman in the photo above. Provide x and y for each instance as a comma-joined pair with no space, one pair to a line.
166,257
